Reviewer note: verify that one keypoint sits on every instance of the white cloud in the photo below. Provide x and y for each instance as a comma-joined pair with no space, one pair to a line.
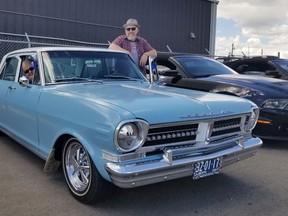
263,26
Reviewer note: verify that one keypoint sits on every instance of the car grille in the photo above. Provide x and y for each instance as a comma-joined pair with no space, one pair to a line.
171,134
190,132
226,127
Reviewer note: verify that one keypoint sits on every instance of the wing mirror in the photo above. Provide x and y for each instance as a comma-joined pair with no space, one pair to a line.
242,68
23,81
171,73
272,73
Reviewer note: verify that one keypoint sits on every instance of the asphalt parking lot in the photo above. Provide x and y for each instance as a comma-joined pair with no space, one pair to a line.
256,186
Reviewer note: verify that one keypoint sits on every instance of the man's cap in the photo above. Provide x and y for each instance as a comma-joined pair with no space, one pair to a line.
131,22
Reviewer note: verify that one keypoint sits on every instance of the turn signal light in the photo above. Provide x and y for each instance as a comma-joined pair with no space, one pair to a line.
263,121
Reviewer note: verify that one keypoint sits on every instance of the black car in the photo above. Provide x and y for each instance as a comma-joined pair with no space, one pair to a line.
270,66
206,74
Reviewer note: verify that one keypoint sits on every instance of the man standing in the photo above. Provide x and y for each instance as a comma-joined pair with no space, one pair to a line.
138,48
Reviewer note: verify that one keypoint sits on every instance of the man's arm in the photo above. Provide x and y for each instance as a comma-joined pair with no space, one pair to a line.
145,56
152,53
116,47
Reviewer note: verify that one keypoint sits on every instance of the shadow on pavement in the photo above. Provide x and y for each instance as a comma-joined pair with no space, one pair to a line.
275,144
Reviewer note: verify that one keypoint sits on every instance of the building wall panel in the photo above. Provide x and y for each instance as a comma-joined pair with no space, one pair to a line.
163,22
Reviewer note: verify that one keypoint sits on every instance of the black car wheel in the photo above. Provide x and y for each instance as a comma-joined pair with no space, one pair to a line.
83,179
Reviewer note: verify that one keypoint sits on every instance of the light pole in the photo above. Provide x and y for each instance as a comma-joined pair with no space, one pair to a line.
248,47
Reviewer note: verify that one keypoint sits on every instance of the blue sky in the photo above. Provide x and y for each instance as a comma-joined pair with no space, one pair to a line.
226,28
255,27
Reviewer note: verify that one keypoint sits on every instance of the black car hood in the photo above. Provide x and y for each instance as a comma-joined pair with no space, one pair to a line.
268,86
255,88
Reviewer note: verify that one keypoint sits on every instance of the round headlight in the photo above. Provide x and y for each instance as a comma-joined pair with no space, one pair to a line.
130,135
252,120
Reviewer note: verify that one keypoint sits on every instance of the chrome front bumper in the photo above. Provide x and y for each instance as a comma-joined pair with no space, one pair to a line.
150,172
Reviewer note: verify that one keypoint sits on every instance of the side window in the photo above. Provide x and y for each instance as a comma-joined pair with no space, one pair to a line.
162,68
258,67
30,62
10,69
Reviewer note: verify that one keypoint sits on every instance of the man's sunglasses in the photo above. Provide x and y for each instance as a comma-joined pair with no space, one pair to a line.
29,69
133,29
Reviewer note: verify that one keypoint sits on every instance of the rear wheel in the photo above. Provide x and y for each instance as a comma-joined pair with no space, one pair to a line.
83,179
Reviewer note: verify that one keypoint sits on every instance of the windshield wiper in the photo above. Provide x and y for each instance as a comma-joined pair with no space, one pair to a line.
119,77
74,79
204,75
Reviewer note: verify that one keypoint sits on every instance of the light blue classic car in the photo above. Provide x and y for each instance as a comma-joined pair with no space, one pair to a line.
93,111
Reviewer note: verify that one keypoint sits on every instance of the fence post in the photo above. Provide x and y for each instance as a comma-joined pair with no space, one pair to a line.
28,39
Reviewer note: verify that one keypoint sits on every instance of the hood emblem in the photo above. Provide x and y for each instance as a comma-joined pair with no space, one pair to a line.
223,112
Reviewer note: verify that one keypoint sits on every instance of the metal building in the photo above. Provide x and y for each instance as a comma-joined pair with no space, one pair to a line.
182,26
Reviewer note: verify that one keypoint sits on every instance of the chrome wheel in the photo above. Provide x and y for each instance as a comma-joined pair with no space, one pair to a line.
77,167
82,177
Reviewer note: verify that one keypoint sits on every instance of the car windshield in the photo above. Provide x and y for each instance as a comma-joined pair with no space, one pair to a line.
282,63
83,66
203,67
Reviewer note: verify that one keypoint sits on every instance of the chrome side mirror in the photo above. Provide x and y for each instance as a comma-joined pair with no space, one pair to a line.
23,81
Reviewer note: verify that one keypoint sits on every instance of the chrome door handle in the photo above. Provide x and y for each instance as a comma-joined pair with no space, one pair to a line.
11,87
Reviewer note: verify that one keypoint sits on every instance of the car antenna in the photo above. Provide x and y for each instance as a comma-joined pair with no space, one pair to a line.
170,50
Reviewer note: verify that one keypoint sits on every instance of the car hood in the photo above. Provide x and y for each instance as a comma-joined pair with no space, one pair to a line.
156,103
268,86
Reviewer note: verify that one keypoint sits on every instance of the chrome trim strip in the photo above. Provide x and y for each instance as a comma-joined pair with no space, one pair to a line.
191,122
175,148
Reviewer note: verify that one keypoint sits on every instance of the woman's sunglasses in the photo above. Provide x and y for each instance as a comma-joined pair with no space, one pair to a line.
29,69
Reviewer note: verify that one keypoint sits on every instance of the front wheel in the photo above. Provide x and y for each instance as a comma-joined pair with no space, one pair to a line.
83,179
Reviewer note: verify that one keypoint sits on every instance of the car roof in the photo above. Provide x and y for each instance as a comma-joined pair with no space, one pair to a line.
252,59
61,48
166,55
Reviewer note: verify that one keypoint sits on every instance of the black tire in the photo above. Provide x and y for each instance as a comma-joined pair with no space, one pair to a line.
83,179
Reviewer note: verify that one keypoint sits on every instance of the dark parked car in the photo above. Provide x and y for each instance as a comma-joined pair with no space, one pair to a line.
202,73
270,66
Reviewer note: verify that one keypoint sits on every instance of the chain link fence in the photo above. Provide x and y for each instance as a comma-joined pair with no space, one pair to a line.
10,42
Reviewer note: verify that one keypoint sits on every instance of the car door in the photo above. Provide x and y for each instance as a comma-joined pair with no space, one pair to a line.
7,79
21,110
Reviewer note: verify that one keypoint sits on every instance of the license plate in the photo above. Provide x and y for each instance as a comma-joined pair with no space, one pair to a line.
207,168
